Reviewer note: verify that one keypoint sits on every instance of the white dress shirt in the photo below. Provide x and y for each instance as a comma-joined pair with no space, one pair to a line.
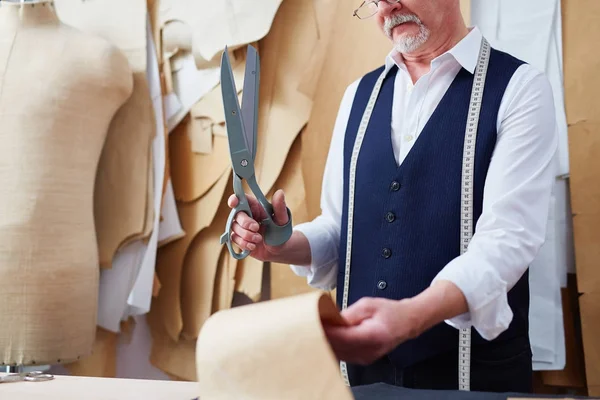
517,191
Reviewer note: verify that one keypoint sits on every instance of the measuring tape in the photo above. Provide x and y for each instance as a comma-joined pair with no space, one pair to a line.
466,227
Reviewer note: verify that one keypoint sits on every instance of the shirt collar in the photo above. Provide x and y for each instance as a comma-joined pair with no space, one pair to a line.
465,52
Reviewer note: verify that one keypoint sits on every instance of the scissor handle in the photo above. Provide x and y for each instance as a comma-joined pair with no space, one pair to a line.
276,235
242,206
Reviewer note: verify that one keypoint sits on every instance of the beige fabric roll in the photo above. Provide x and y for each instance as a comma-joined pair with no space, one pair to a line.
59,90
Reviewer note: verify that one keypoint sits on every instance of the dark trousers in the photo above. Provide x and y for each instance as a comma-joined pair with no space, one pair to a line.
496,367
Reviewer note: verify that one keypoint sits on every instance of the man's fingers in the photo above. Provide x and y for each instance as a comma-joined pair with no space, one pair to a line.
246,222
350,344
255,207
243,244
257,211
356,344
247,235
358,312
232,201
340,335
358,335
279,208
338,340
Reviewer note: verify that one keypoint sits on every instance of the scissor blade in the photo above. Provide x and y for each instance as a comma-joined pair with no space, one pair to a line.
250,98
231,106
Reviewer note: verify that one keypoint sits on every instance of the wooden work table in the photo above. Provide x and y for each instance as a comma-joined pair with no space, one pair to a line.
77,388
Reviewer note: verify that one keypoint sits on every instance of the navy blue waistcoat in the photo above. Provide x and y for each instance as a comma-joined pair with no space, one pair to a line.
407,217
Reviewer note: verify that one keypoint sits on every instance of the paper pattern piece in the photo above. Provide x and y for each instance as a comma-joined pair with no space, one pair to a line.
194,174
176,36
589,304
140,297
573,376
177,358
170,227
216,24
324,14
48,249
103,360
585,195
284,282
126,288
224,286
581,87
534,34
121,193
195,216
283,110
189,85
201,135
249,277
199,273
211,105
340,68
283,344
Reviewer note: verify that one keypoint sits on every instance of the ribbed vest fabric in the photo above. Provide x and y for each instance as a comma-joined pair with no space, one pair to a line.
406,218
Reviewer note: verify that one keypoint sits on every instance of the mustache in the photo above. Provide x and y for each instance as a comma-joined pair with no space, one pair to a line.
398,19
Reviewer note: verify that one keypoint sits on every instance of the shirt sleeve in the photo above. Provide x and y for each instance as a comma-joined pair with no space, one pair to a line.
517,193
323,233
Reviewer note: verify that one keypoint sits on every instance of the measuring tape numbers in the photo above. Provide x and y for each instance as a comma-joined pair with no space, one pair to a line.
464,359
466,226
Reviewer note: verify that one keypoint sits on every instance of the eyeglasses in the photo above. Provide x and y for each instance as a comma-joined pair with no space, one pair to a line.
368,8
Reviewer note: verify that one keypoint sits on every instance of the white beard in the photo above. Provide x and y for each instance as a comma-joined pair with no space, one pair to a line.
406,44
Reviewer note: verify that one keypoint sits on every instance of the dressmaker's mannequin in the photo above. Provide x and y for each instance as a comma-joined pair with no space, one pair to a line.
59,90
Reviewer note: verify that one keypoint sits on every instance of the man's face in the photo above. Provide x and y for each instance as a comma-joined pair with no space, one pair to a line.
409,24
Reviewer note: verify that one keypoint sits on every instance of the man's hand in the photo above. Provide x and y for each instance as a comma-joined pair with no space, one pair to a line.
375,327
248,233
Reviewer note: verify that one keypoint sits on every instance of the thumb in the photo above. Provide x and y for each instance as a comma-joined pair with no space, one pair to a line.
358,312
279,208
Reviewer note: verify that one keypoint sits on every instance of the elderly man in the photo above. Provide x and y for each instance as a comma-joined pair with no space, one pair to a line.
396,207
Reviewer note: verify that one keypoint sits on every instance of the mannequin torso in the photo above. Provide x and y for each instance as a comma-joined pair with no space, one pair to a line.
59,90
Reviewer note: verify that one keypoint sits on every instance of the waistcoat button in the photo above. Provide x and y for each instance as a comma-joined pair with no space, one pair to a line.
381,285
386,253
390,217
395,186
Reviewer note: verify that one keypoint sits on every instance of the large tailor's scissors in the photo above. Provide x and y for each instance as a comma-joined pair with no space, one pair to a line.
242,124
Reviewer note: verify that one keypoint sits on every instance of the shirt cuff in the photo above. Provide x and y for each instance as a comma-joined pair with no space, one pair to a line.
486,294
322,272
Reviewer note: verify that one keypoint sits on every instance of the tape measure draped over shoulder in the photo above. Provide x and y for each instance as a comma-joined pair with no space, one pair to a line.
466,227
